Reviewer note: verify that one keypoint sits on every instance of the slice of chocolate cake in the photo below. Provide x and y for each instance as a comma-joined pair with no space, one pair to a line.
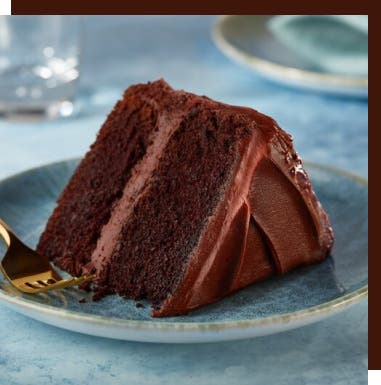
182,200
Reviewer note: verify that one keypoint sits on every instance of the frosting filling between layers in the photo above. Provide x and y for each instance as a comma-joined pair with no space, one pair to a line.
134,189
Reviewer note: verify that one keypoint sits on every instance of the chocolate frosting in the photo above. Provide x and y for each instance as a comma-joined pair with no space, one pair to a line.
269,222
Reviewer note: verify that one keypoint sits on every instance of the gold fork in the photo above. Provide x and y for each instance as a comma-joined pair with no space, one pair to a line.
29,271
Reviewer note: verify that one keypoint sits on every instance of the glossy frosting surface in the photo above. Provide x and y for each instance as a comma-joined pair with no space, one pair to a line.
269,222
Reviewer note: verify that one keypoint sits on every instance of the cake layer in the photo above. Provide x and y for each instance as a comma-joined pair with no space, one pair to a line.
84,206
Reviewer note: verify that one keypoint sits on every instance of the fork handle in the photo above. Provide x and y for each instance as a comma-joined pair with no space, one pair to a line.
6,232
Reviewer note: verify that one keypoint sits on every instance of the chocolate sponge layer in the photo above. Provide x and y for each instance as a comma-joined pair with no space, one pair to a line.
85,204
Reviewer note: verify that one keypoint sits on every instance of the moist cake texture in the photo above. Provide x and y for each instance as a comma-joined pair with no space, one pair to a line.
182,200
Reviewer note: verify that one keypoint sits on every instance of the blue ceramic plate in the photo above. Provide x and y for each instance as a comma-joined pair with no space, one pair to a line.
249,41
304,296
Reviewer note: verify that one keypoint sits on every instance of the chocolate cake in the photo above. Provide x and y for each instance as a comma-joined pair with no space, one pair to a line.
182,200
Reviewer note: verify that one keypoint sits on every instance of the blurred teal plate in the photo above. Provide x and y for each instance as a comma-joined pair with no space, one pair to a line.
249,41
301,297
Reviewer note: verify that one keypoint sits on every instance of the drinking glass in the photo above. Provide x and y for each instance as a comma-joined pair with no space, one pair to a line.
39,65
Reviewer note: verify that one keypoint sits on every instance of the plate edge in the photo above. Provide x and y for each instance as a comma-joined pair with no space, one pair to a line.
280,70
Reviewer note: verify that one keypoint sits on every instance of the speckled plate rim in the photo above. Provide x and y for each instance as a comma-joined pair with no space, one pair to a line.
281,322
280,71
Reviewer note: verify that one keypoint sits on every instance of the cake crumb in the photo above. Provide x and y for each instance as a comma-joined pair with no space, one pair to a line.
82,300
139,305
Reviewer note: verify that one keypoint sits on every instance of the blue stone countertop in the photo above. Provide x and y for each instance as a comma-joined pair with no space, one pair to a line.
121,50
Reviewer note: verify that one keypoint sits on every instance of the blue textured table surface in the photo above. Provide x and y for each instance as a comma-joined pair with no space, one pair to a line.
119,51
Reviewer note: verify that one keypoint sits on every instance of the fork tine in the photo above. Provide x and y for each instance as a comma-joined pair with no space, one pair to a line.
28,288
35,284
66,283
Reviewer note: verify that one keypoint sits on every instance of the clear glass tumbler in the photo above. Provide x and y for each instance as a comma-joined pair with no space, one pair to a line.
39,59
